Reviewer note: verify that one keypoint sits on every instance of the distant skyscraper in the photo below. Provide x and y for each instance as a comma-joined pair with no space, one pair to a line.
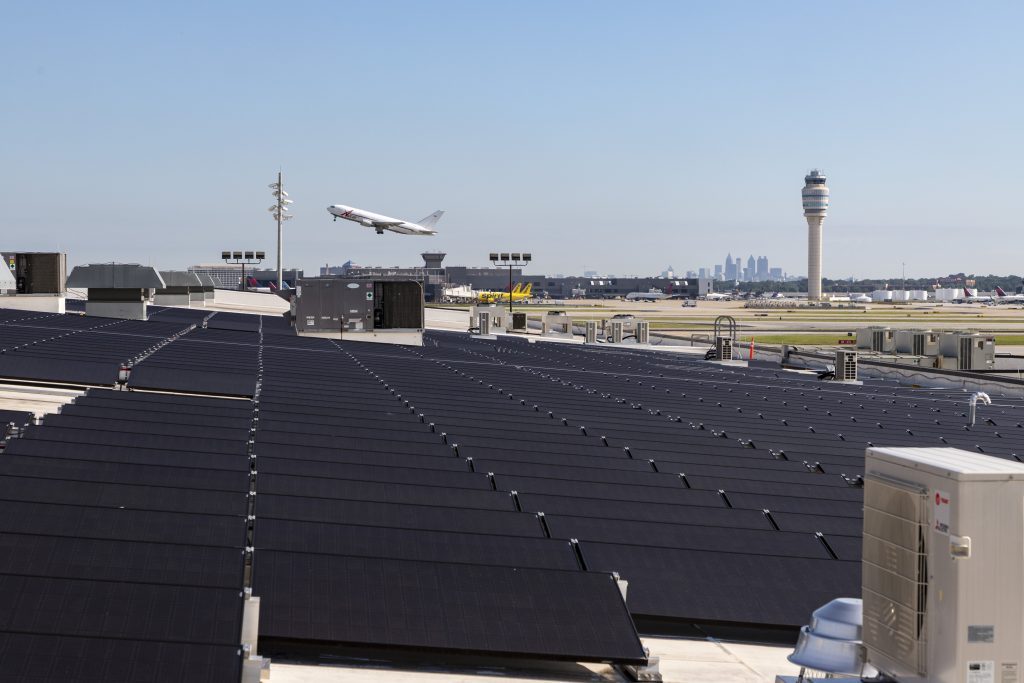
775,274
815,199
750,271
718,272
730,268
762,268
738,268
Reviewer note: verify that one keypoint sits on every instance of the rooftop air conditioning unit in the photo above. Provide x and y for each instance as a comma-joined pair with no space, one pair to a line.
617,326
723,348
846,365
484,322
590,332
880,339
926,344
643,332
943,558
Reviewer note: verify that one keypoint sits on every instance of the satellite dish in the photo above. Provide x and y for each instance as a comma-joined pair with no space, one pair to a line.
272,186
287,201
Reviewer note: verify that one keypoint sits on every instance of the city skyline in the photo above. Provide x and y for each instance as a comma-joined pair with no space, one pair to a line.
626,133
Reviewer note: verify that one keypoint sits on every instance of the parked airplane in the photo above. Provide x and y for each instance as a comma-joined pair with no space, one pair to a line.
650,295
519,293
716,296
969,298
1004,298
424,226
860,298
253,285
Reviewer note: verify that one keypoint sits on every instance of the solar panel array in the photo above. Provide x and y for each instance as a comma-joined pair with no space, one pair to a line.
470,495
73,349
369,531
122,558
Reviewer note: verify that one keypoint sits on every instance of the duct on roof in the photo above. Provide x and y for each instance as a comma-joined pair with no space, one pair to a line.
115,276
180,278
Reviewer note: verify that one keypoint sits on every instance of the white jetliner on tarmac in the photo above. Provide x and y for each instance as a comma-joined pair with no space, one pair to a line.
1004,298
424,226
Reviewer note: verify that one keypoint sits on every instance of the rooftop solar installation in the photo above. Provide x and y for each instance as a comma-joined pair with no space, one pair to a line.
109,563
465,496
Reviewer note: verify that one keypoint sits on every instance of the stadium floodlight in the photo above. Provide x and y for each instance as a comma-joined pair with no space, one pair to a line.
512,260
242,258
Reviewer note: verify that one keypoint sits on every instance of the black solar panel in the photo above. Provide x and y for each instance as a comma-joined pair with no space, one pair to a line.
464,608
108,560
59,658
414,544
183,614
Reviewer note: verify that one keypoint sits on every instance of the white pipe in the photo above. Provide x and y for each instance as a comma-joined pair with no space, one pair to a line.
973,403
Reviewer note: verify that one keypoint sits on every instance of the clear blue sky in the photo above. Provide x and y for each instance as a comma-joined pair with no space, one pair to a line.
616,136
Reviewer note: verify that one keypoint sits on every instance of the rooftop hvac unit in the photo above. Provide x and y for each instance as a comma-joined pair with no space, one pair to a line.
966,351
846,365
880,339
643,332
590,332
943,559
483,322
917,342
617,326
723,348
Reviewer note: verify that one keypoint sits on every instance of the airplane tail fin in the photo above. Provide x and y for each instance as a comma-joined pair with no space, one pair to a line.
967,293
529,289
1000,292
431,220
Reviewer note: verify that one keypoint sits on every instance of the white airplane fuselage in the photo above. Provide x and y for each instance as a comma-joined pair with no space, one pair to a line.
380,223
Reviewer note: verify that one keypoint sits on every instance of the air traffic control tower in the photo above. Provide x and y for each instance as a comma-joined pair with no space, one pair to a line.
815,196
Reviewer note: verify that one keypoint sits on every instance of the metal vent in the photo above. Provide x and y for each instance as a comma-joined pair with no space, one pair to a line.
723,348
643,330
846,366
965,357
617,331
895,571
919,343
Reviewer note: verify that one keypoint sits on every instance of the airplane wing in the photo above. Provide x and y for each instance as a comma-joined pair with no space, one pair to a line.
386,224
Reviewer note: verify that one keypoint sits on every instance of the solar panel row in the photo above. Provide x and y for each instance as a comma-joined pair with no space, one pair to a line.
120,562
369,530
402,491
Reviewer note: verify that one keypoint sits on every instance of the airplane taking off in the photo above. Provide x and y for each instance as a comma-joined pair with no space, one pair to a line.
424,226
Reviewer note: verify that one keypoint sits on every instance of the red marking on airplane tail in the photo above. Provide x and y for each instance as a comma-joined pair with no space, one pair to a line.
1000,292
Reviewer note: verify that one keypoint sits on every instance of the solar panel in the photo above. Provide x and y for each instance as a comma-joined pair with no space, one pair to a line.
185,614
58,658
414,544
543,613
110,560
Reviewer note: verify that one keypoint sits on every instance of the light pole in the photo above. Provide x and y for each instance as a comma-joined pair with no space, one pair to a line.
278,212
243,258
513,260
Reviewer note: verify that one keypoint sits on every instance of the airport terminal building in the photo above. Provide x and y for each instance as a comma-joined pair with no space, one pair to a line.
436,277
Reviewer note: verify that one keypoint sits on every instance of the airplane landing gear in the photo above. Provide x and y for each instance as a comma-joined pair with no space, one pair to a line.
380,231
